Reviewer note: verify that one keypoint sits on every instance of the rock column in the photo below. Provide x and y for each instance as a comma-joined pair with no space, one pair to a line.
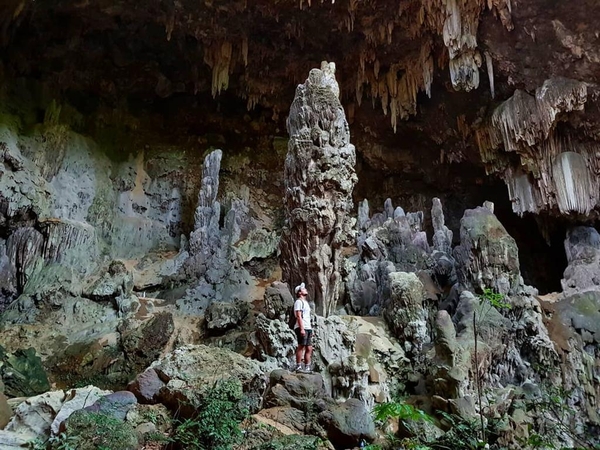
319,178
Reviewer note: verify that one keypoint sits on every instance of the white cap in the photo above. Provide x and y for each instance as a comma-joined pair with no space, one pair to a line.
299,287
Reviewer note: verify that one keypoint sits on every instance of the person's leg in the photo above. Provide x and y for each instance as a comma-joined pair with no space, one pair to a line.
308,350
307,355
300,351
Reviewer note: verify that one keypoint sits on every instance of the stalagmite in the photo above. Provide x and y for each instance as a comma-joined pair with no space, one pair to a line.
205,236
319,180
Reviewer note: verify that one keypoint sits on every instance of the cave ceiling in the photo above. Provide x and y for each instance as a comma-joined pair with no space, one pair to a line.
418,78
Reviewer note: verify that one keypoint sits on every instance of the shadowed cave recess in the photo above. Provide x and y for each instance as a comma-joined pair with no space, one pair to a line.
170,170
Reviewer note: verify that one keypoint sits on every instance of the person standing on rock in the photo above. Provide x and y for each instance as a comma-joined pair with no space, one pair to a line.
303,329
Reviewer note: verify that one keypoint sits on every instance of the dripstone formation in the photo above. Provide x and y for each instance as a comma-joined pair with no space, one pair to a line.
319,177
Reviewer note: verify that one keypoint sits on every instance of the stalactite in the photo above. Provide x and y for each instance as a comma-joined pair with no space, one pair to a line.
245,50
490,70
556,168
218,57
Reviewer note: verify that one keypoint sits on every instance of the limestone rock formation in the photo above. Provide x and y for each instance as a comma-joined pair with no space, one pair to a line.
556,169
303,399
407,314
319,178
487,256
184,372
212,262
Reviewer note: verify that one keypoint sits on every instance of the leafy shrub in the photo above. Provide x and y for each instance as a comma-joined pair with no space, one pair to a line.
94,431
216,426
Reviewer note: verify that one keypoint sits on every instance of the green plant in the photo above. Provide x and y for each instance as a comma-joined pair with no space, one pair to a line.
557,414
216,425
399,410
94,431
463,434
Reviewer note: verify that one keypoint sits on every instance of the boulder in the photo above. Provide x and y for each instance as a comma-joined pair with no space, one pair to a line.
145,343
406,314
278,301
22,373
115,405
146,386
43,414
300,391
487,256
347,424
582,247
223,316
5,411
75,400
275,341
189,369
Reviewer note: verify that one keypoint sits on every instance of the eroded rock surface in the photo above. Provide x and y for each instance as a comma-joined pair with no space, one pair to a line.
319,178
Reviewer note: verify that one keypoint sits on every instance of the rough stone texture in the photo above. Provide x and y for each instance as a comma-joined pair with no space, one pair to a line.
187,370
22,373
146,386
145,343
582,247
487,256
319,178
221,316
347,423
38,416
213,262
75,400
394,241
278,301
275,342
5,411
554,169
406,313
301,402
115,405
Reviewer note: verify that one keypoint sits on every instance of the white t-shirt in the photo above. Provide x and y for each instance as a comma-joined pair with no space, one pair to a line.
302,305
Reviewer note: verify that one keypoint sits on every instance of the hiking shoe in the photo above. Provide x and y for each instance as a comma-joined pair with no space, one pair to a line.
298,368
307,368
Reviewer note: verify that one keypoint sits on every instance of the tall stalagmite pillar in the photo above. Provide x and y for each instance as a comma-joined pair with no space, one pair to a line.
319,178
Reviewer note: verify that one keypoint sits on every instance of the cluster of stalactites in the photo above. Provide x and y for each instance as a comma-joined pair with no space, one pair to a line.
397,86
556,170
457,21
221,58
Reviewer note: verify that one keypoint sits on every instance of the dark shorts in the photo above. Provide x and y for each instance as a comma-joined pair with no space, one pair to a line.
306,339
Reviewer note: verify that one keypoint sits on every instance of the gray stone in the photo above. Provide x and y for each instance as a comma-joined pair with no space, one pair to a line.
405,313
189,369
278,301
275,340
146,386
221,316
116,404
487,256
582,247
347,423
